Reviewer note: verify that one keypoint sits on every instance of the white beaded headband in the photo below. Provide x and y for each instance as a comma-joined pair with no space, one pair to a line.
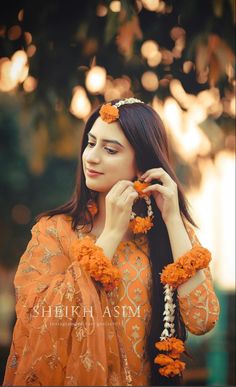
110,113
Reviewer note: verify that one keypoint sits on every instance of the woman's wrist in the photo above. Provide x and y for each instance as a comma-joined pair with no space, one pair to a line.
108,241
174,220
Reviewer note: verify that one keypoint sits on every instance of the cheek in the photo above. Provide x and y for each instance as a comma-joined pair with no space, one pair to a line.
124,168
84,155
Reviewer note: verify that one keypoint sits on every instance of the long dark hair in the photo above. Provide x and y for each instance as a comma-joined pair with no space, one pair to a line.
145,131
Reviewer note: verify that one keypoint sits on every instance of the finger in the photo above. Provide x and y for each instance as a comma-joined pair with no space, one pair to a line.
125,194
130,199
157,173
157,187
145,174
119,187
119,197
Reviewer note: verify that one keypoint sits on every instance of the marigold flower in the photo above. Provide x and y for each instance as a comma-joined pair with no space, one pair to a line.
139,186
94,261
177,345
172,369
185,266
170,344
141,225
109,113
163,359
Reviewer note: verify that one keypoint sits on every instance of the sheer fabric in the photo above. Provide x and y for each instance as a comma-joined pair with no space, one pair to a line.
70,332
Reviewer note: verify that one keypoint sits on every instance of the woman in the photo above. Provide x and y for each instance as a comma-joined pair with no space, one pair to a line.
92,308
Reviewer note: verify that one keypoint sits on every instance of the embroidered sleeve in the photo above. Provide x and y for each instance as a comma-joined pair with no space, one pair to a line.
55,339
200,308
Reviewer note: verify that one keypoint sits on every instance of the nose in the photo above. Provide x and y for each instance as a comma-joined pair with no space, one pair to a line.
93,155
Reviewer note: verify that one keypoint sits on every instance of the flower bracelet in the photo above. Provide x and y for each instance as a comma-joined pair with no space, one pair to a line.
94,261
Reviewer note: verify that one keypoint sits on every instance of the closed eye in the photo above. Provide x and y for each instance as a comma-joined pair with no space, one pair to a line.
109,150
91,144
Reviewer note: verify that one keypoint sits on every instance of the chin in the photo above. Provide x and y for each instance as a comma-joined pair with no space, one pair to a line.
97,187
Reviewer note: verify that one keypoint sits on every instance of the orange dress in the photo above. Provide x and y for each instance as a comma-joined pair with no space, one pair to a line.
70,332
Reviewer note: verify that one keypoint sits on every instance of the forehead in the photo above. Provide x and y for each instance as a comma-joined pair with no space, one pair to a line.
112,131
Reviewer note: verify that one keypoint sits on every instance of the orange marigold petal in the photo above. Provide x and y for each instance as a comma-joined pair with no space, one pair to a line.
141,225
94,261
170,344
163,359
109,113
172,369
185,266
139,186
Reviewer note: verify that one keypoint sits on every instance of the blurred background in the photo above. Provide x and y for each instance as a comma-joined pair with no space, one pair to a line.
60,59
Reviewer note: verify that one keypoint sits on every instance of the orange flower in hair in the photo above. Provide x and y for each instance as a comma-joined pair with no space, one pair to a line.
109,113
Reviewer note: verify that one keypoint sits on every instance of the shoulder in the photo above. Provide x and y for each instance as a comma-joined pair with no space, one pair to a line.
56,231
57,226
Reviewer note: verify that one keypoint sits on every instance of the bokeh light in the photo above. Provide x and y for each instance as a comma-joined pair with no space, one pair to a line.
30,84
14,32
28,37
188,66
149,49
31,50
21,15
80,104
21,214
101,10
151,5
115,6
149,81
96,79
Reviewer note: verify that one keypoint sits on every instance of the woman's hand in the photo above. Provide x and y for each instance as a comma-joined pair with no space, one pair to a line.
119,202
165,195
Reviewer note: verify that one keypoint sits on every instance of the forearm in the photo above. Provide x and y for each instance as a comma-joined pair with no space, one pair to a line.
108,241
180,244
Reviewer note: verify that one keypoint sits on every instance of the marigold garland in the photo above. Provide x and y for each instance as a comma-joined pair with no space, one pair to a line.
171,344
173,369
186,266
141,225
109,113
137,223
172,276
169,361
94,261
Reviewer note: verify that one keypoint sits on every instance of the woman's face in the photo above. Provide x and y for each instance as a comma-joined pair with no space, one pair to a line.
109,153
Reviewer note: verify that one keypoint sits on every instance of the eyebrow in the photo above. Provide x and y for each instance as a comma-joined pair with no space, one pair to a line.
106,140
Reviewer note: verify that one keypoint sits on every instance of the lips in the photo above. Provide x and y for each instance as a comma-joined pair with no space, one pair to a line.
93,171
